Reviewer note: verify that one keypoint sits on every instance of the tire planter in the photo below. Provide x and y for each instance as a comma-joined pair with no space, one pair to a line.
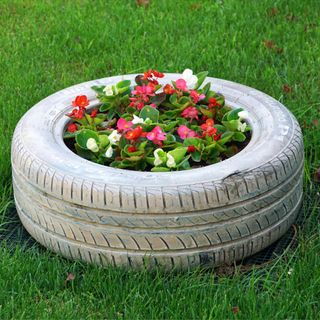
207,216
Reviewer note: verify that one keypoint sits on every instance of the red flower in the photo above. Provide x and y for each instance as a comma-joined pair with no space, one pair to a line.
72,127
195,96
132,149
152,75
213,103
190,113
81,101
208,128
142,95
191,149
76,113
134,134
168,89
217,137
94,113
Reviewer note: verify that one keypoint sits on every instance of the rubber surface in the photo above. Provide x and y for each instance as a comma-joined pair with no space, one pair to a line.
207,216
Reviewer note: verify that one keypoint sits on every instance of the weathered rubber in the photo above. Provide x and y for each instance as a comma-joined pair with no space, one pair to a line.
206,216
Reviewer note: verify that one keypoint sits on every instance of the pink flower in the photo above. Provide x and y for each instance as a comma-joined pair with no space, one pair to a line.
182,85
124,125
195,96
184,132
142,95
190,113
156,136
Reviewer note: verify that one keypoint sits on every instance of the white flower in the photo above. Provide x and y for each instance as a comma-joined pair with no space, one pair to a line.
242,126
157,160
290,271
137,120
170,162
108,90
189,78
243,115
109,152
114,137
92,145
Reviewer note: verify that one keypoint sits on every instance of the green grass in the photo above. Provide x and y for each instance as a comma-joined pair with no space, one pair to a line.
49,45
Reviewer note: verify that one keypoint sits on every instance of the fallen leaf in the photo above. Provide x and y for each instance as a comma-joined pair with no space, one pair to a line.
195,6
70,277
235,309
272,12
291,17
309,26
287,89
316,122
269,44
142,3
317,175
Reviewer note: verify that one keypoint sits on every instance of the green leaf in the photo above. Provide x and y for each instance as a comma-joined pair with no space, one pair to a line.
239,136
226,137
220,128
193,142
196,156
82,137
158,98
123,84
201,77
231,125
206,88
206,112
98,89
178,154
106,106
160,169
69,135
233,115
84,153
149,112
104,140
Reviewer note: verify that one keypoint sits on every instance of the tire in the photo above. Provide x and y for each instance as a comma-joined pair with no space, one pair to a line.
207,216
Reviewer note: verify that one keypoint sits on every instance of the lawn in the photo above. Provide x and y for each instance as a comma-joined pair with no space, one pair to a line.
273,46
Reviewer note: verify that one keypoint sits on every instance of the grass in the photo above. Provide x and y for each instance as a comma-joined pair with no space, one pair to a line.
49,45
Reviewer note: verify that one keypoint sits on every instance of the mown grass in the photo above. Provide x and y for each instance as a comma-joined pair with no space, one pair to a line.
48,45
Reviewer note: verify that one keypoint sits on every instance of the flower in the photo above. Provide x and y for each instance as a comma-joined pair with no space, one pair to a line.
72,127
142,95
157,159
208,128
156,136
80,101
108,90
213,103
190,79
92,145
243,115
76,113
196,97
134,134
124,125
109,152
137,120
170,162
132,149
114,137
191,149
190,113
181,84
184,132
152,75
242,126
94,113
168,89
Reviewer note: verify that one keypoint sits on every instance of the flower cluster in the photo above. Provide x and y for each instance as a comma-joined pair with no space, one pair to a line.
157,127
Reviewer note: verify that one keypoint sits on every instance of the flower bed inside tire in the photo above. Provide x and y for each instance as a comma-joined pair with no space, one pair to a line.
155,127
206,216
